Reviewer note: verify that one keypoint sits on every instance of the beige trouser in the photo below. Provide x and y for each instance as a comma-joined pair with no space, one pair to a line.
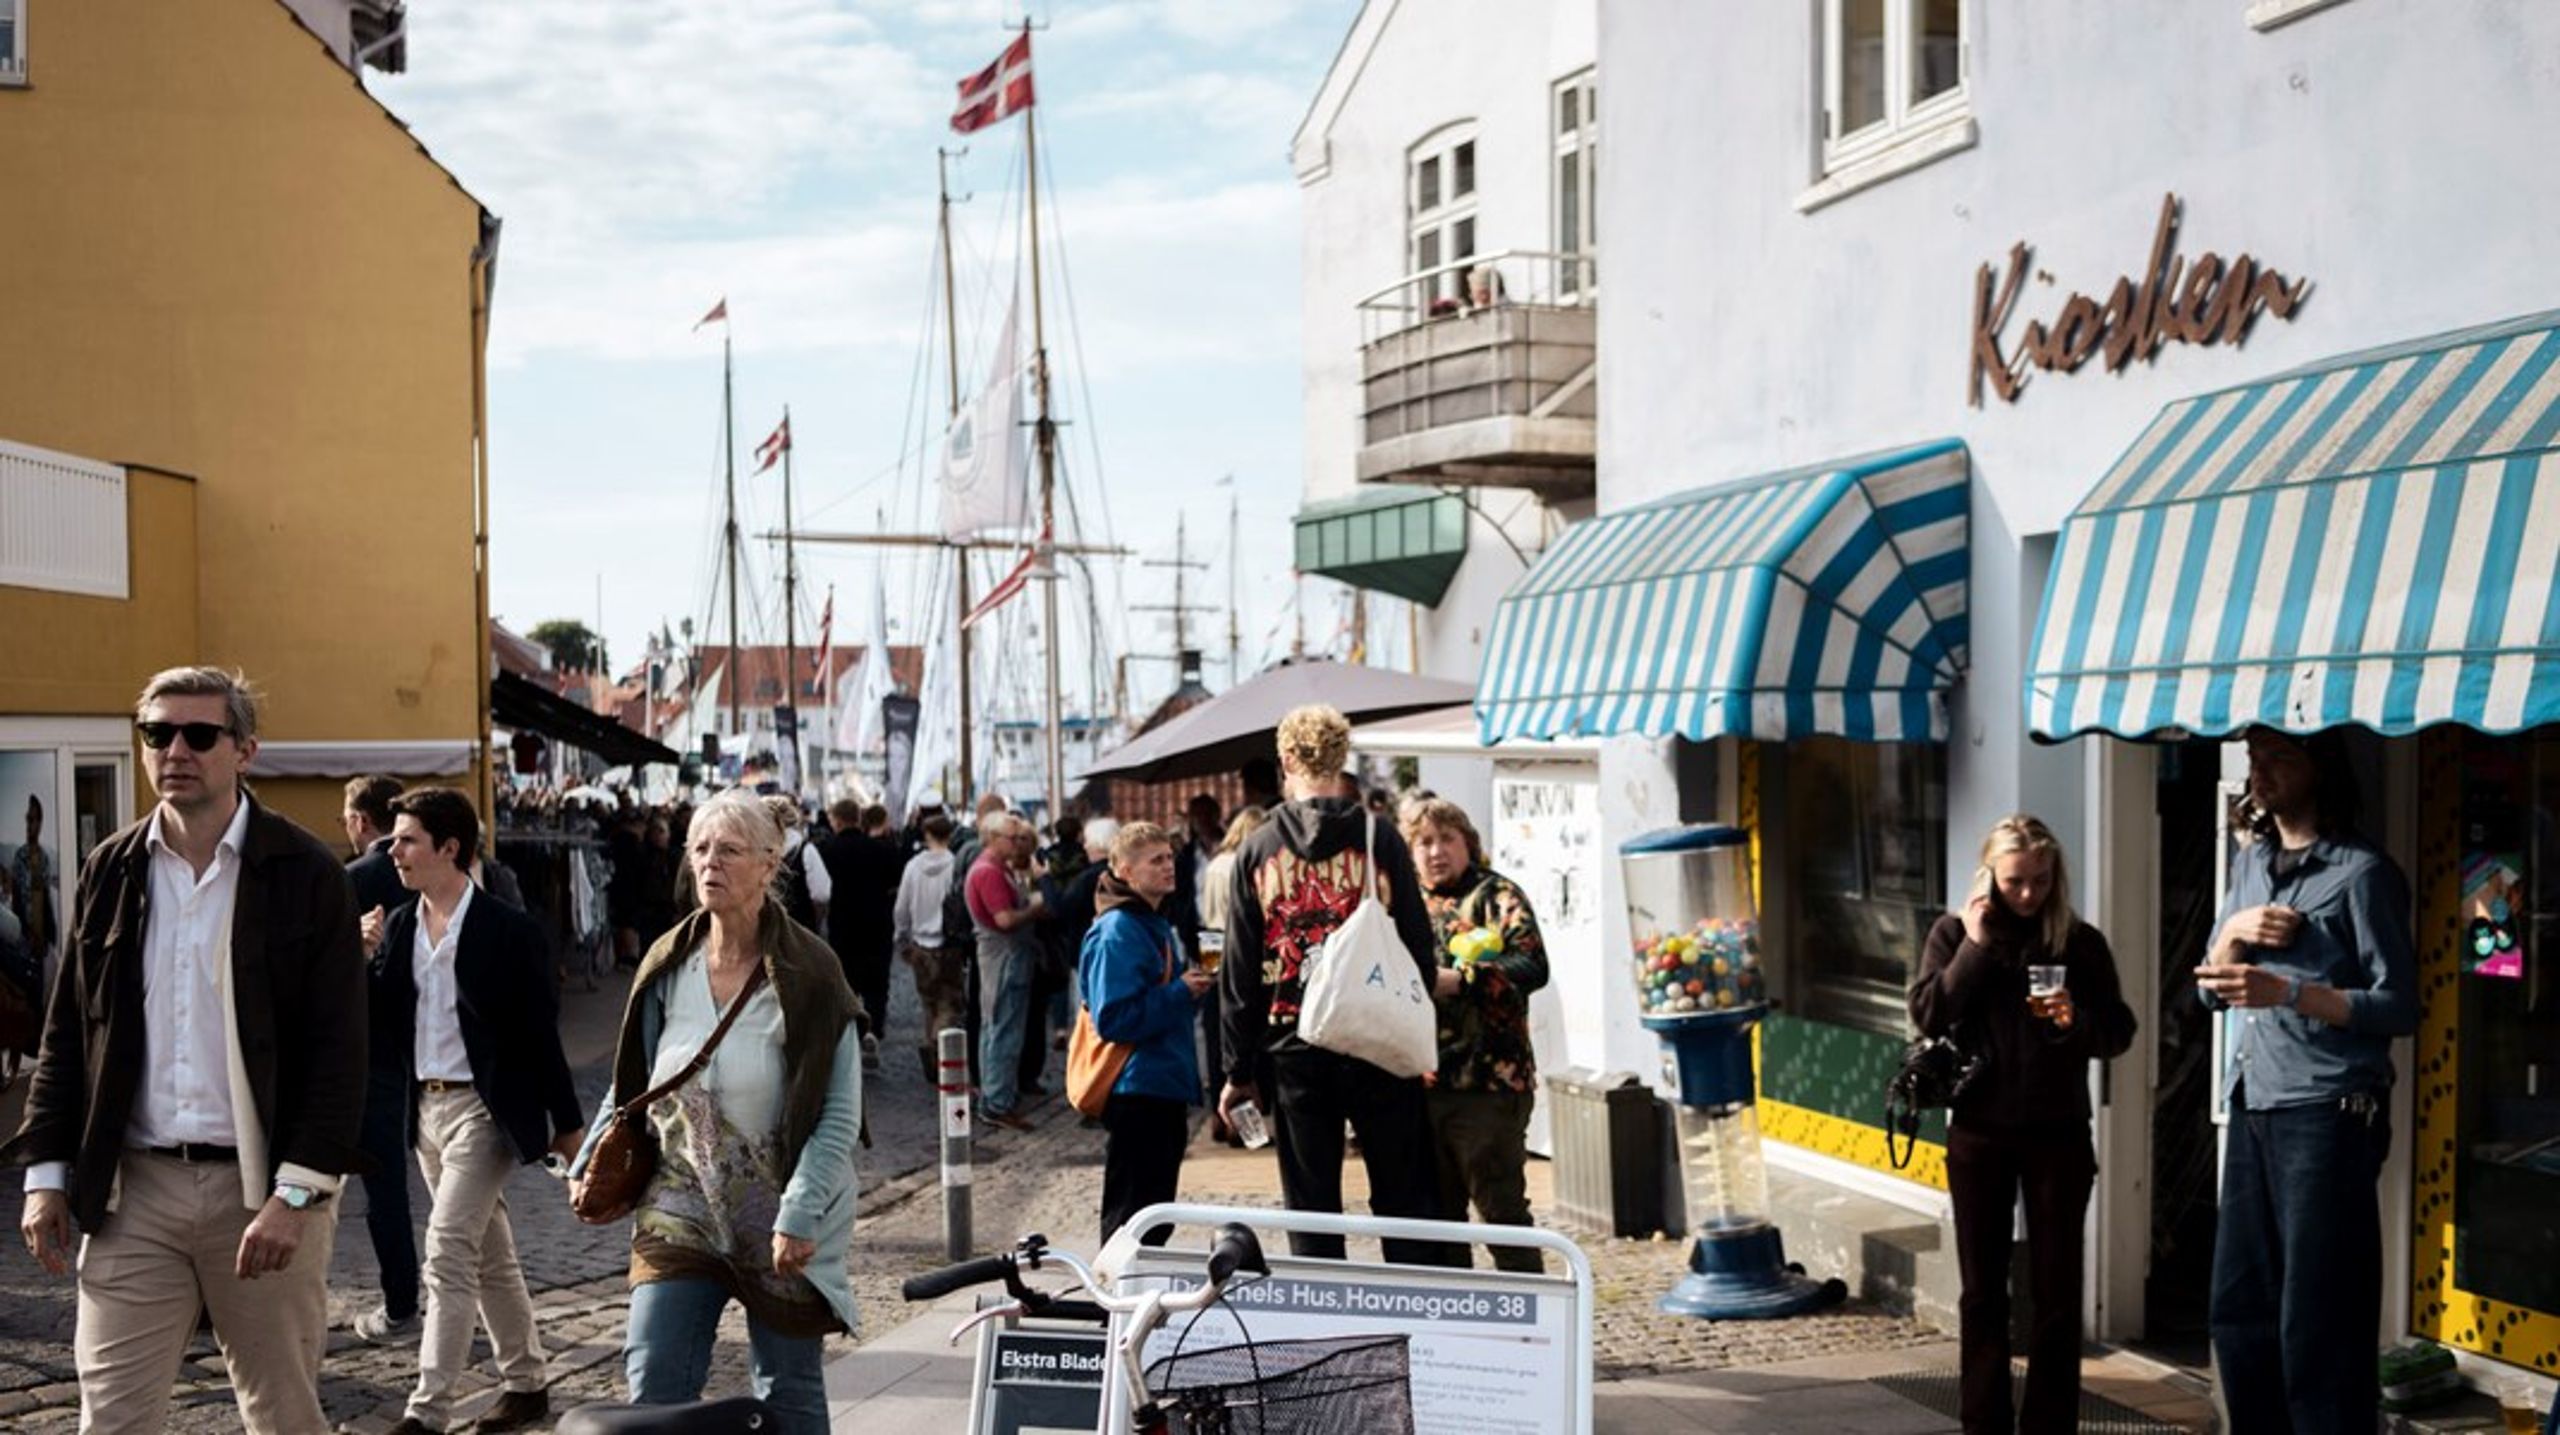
470,1266
170,1246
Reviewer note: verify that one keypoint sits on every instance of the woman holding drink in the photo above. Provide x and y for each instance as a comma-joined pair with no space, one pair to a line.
2020,982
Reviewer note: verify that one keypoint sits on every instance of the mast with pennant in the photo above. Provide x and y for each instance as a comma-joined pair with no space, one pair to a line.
998,92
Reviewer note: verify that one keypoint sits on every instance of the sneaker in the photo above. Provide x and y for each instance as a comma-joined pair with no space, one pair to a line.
376,1327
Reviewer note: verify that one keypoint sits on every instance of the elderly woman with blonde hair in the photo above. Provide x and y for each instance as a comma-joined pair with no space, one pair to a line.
754,1193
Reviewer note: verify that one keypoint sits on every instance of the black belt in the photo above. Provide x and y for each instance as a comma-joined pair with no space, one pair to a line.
435,1086
198,1153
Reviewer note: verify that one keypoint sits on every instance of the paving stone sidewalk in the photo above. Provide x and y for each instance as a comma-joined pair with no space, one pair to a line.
1047,1179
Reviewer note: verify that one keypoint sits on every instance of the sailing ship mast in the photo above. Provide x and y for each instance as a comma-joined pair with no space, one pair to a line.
729,504
790,718
1045,438
960,551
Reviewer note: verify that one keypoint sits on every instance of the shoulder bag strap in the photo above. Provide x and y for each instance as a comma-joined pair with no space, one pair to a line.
1369,852
702,1058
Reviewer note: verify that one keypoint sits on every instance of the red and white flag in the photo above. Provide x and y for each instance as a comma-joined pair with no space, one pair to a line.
776,444
997,91
719,315
1010,586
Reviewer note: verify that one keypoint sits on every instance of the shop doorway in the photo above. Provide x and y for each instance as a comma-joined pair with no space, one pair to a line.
2184,1151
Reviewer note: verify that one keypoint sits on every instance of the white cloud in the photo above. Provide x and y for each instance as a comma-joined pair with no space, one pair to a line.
582,116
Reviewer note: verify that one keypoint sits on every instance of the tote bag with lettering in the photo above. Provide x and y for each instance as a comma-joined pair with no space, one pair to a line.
1365,996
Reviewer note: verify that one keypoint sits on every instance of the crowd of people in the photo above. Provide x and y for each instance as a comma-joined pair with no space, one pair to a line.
245,1019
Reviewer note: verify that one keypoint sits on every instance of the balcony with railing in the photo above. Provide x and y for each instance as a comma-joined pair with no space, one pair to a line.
1483,373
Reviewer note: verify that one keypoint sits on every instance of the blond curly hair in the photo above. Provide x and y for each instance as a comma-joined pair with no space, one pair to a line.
1314,740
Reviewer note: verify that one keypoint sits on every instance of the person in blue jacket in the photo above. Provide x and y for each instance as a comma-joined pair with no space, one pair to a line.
1143,995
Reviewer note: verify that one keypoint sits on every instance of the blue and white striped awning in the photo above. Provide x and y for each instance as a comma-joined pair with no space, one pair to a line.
1828,600
2369,540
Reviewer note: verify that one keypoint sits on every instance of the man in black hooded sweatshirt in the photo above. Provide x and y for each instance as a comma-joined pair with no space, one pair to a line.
1297,879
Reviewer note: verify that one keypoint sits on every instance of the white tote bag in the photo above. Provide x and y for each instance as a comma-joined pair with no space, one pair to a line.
1365,997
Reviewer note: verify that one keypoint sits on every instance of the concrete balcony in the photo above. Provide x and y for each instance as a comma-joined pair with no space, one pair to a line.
1483,373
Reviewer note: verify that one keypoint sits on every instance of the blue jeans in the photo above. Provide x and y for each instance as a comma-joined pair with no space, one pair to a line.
1004,1009
667,1355
384,1138
2297,1268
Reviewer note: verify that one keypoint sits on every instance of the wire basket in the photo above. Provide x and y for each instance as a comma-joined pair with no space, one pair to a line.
1344,1385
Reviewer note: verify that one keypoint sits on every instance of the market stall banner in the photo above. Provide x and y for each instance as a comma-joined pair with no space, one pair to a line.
2372,539
1825,601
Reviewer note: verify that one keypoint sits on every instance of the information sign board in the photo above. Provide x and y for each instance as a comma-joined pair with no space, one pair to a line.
1492,1352
1040,1380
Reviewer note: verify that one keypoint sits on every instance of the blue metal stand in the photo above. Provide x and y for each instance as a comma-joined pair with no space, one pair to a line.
1739,1273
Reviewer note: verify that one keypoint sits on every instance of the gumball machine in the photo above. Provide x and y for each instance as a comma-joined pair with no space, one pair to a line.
1695,935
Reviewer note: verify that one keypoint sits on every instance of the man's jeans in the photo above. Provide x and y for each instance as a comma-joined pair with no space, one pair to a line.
1004,1010
2297,1268
667,1355
385,1138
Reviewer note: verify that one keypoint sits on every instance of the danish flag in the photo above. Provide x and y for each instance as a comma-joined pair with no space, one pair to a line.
770,452
997,91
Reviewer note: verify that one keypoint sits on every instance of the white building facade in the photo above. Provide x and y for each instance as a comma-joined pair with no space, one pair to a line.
1862,246
1833,197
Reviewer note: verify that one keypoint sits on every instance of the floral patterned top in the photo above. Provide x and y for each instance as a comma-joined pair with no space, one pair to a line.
1481,925
715,1199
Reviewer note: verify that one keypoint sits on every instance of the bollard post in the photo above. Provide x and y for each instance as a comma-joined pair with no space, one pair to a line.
952,1047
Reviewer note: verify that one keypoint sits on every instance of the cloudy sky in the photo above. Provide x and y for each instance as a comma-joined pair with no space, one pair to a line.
649,157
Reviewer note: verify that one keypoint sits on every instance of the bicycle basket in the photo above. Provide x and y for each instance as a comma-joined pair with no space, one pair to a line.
1344,1385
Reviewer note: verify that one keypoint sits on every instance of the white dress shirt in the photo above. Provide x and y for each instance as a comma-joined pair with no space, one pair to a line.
822,885
438,1025
186,1068
195,1084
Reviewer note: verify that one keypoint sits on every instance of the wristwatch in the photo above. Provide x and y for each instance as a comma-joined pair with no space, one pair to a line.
298,1196
2293,993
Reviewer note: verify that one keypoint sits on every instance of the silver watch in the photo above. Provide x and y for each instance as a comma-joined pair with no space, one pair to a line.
2293,993
297,1196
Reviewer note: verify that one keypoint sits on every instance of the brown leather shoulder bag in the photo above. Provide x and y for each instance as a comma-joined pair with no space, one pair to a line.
626,1152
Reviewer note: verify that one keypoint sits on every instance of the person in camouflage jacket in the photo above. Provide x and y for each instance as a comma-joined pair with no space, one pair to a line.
1491,958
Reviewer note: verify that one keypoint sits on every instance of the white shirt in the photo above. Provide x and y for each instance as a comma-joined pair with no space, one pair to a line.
195,1084
437,1025
746,1074
186,1081
822,885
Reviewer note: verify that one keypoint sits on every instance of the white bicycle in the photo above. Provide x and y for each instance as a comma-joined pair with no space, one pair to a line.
1276,1387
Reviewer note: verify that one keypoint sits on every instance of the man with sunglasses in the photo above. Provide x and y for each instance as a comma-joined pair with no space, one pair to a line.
196,1101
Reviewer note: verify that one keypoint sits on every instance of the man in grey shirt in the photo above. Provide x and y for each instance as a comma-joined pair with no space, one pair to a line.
2314,949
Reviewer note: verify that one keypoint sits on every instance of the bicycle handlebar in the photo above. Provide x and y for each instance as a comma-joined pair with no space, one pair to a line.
1238,1248
933,1285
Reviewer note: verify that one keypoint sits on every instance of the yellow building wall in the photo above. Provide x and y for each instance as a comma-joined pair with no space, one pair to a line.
66,654
226,260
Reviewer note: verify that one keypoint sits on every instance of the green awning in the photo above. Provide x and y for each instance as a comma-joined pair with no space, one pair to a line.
1407,542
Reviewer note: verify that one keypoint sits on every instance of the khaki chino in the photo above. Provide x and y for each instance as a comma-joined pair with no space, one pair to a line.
470,1268
174,1239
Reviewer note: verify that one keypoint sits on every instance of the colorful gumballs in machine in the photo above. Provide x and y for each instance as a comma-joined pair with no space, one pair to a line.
1694,930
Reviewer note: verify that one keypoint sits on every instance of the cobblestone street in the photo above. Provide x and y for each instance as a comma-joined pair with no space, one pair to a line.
1047,1179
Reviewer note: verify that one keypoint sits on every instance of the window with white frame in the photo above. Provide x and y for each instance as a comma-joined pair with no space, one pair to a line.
13,42
1440,199
1893,70
1577,180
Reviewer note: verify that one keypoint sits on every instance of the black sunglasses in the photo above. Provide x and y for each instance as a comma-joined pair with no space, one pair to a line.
201,736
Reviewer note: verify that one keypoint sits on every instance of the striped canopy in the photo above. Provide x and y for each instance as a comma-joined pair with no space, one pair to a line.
1828,600
2369,540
